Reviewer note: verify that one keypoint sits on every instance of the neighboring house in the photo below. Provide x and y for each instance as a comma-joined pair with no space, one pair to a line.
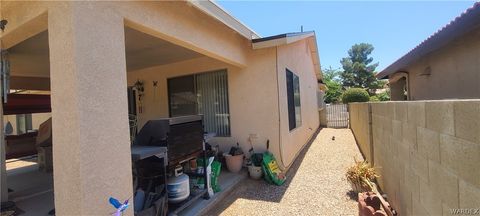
444,66
191,57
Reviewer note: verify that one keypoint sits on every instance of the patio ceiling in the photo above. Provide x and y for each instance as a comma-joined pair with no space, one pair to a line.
144,50
30,58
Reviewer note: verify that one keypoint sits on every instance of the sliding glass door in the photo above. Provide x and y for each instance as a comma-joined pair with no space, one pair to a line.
204,93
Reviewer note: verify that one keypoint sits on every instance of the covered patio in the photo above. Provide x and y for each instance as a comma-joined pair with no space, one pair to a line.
56,48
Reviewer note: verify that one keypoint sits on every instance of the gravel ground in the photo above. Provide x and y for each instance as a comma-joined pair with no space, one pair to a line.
315,185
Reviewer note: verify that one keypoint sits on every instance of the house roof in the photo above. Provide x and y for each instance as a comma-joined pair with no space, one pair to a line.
461,25
287,38
280,39
216,11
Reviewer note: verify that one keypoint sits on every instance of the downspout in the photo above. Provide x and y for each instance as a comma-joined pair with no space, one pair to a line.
278,109
407,83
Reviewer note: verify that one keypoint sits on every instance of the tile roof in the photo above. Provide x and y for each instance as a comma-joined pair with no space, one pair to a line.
462,24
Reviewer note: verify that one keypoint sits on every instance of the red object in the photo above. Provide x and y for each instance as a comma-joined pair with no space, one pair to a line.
26,103
369,204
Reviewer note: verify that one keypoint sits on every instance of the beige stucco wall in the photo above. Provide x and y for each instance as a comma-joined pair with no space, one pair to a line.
297,58
253,97
427,153
175,21
91,148
250,111
455,71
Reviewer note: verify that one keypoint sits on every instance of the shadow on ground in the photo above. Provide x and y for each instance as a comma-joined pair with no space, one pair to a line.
249,189
352,195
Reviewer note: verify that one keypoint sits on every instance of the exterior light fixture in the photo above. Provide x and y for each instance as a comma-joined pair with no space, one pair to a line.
3,23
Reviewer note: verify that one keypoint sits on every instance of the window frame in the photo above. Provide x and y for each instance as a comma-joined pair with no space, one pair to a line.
294,112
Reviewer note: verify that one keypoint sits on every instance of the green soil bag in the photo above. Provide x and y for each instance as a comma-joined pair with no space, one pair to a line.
273,174
216,168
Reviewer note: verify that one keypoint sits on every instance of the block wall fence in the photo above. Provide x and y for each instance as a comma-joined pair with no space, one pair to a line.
427,152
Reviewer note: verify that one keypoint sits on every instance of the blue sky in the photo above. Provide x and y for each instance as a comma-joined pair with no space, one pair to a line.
393,28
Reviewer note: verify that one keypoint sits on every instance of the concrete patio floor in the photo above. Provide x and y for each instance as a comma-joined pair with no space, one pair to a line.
316,183
32,188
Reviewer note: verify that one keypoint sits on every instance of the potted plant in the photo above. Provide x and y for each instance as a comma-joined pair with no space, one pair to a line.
254,164
234,159
361,176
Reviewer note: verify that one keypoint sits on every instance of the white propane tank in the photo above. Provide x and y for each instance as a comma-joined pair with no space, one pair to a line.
178,188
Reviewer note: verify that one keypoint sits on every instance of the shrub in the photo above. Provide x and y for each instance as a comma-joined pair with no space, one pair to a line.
355,95
374,98
384,96
334,91
362,174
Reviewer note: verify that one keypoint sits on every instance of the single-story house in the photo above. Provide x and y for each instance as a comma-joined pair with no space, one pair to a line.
174,58
444,66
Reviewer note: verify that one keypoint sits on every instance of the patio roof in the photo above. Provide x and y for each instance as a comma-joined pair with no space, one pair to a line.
461,25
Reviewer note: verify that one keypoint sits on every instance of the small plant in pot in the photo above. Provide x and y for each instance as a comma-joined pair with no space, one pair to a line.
361,176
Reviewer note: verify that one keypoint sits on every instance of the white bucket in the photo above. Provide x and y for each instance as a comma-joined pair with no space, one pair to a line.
255,172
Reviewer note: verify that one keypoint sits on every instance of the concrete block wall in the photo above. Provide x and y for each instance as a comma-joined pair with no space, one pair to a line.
359,115
427,153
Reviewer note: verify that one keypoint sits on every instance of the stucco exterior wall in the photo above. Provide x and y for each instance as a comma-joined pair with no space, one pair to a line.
91,148
175,21
297,58
455,71
427,153
252,97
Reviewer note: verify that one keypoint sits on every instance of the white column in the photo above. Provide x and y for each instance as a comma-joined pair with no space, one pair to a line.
91,148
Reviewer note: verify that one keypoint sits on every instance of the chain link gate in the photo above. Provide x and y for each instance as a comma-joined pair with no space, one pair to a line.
337,115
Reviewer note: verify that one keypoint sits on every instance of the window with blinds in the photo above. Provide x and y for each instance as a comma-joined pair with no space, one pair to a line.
204,93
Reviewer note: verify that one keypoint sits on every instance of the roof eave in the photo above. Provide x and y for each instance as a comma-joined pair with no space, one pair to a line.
216,11
284,39
463,24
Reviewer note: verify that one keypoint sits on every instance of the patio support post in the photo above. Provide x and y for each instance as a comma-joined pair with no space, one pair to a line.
91,148
3,158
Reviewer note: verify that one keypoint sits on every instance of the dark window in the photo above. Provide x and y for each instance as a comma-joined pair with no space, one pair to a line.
181,96
293,98
132,101
204,93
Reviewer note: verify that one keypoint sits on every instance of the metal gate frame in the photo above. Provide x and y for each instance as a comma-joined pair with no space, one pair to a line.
337,115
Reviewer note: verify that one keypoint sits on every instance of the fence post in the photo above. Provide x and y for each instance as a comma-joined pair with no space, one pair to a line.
370,134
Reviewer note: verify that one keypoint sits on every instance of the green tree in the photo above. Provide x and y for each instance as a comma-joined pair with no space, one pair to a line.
358,69
331,74
334,86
